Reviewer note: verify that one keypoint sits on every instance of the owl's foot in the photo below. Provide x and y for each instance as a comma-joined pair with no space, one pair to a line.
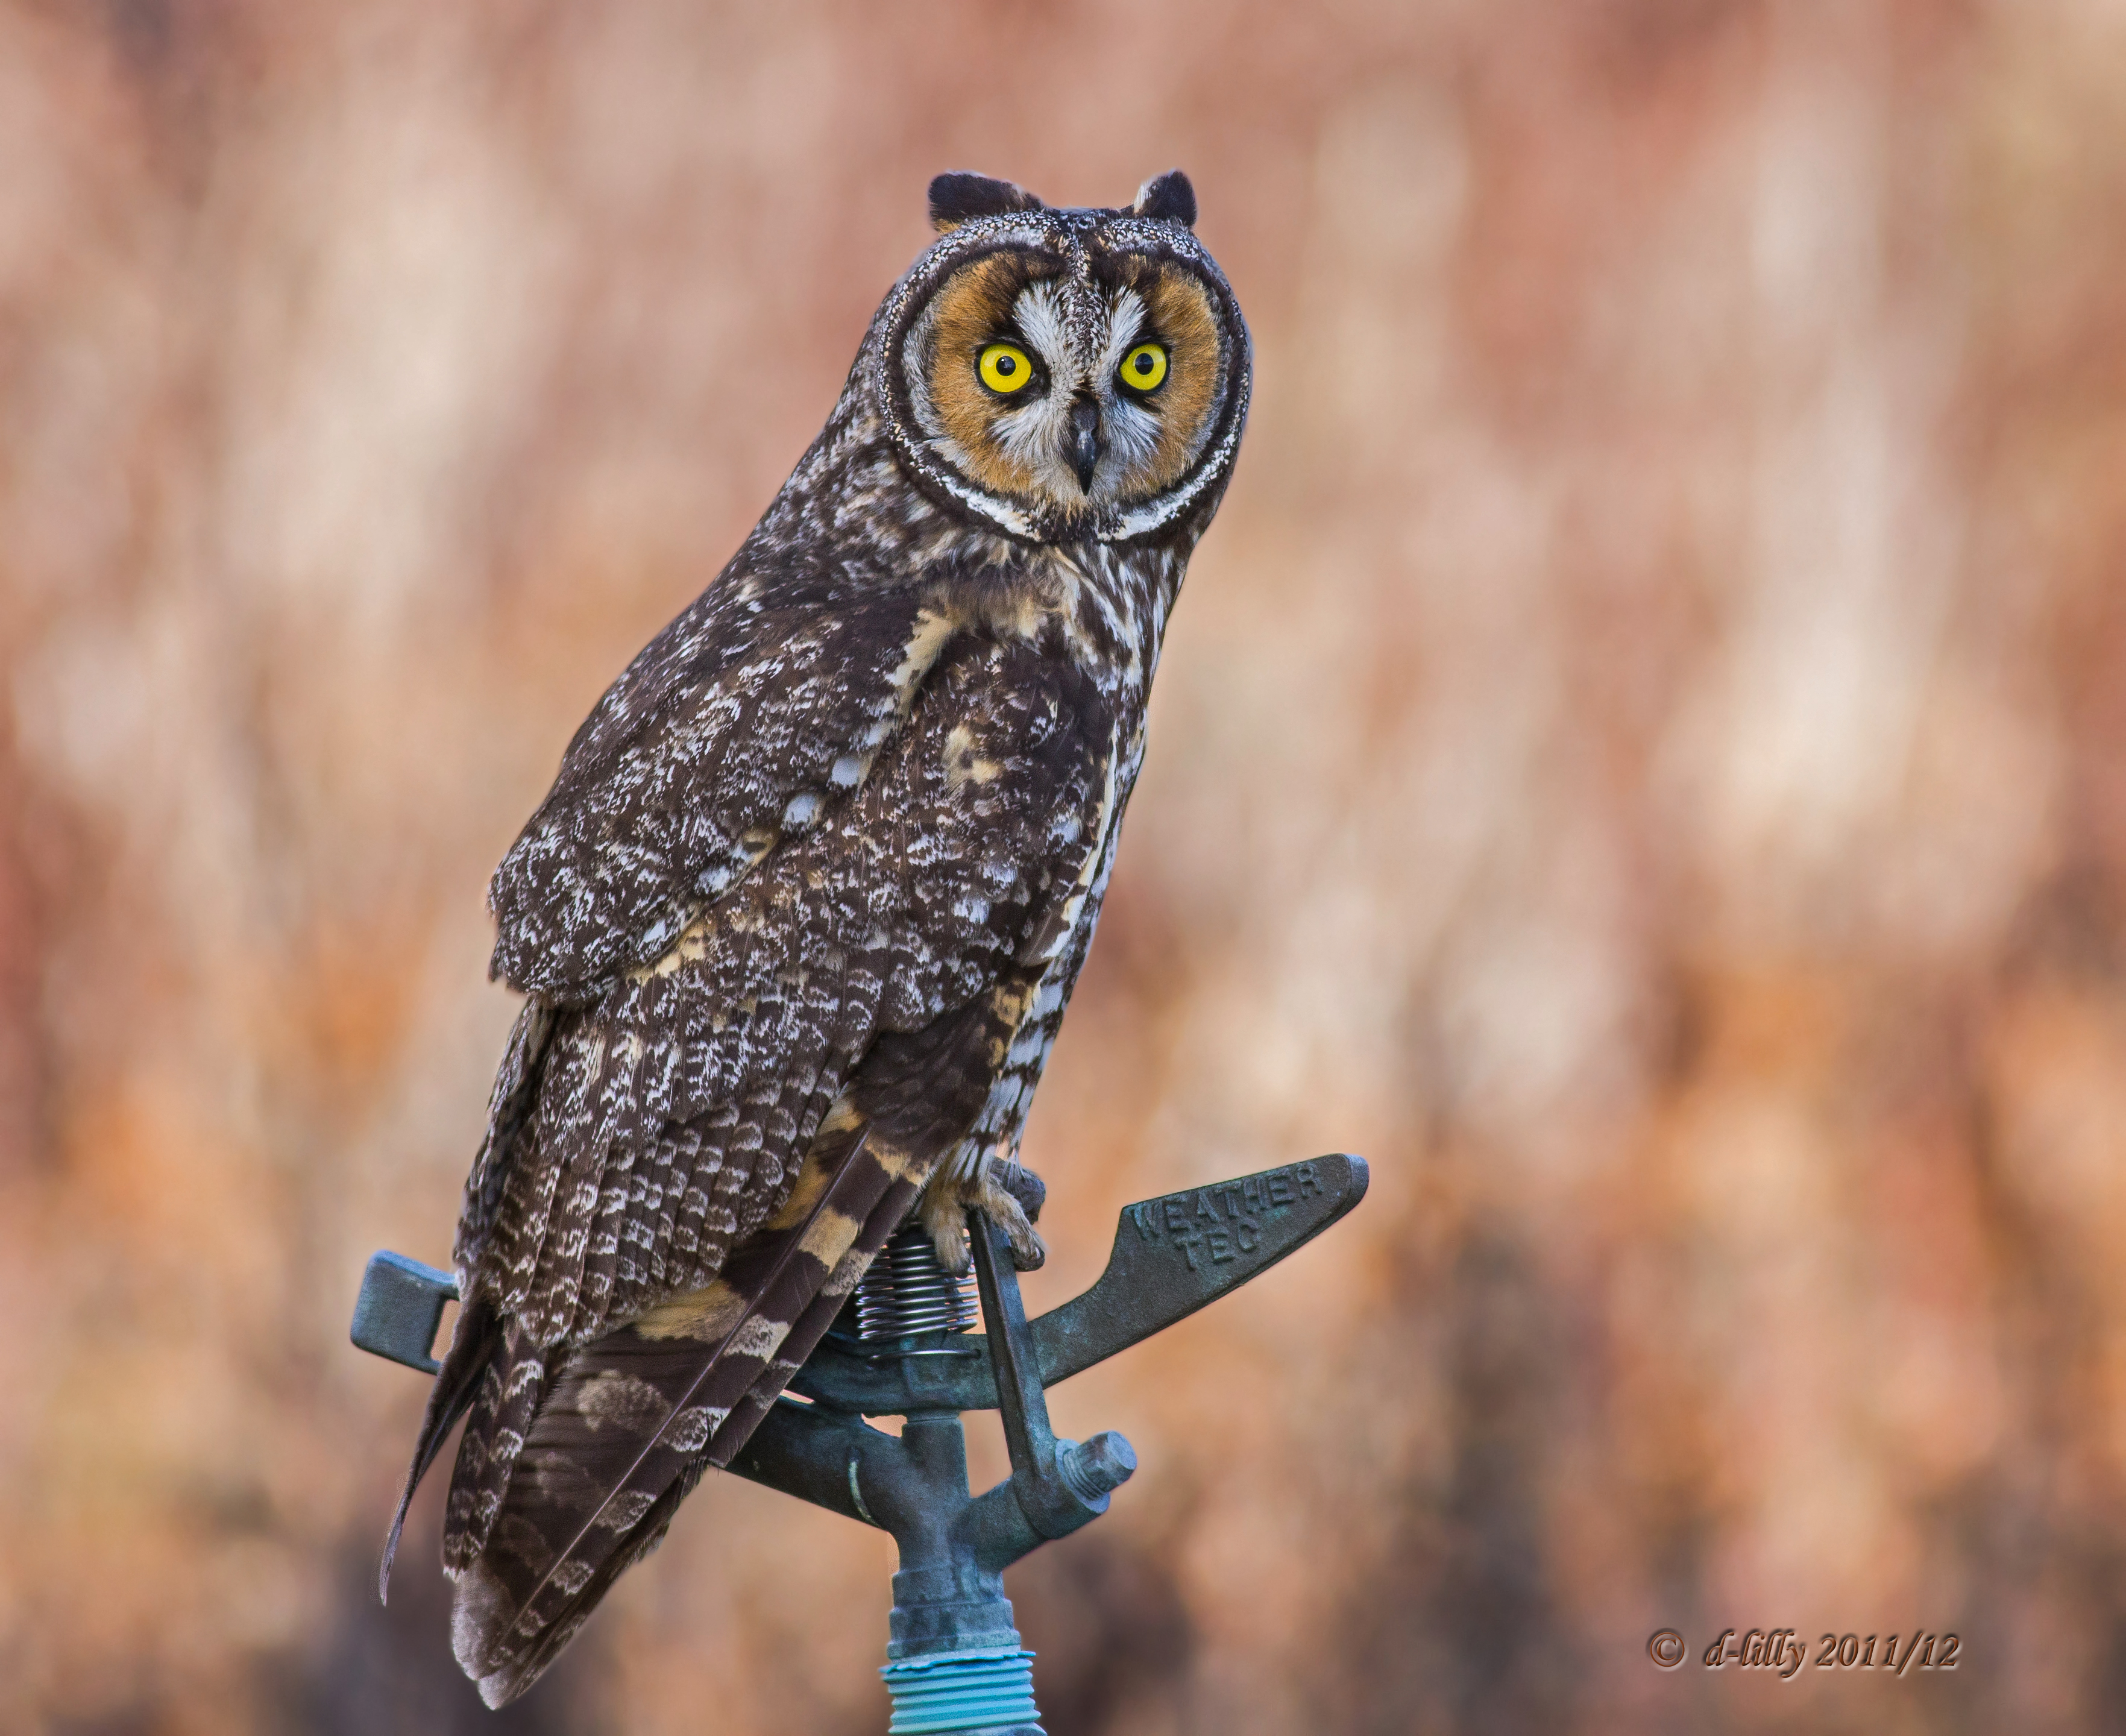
1008,1194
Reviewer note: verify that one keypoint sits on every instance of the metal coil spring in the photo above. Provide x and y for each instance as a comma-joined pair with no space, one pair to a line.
907,1291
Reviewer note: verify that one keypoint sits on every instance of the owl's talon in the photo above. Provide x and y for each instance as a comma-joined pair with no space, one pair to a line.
1029,1253
944,1216
950,1240
1003,1192
1001,1203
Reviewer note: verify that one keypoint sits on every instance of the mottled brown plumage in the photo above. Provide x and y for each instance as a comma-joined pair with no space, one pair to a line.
798,921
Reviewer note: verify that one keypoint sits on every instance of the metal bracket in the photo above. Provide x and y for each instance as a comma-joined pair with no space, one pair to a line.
400,1306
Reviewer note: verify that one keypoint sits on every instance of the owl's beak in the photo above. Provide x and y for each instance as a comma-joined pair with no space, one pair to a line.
1086,446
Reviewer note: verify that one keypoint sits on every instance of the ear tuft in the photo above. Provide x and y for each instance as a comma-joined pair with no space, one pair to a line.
1167,198
957,197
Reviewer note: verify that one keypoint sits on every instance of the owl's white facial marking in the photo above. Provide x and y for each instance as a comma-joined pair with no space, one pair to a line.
1031,427
1038,313
1132,429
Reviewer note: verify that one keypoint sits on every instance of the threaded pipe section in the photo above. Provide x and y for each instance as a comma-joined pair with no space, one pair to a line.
963,1690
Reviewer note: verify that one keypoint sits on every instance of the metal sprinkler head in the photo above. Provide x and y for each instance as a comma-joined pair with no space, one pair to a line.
903,1348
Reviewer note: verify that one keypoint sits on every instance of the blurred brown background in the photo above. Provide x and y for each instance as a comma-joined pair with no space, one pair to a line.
1641,757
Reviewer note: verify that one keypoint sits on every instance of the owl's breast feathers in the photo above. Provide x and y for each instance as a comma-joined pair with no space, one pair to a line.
808,877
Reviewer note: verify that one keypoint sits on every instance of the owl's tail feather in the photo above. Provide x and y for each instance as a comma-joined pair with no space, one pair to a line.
631,1421
474,1344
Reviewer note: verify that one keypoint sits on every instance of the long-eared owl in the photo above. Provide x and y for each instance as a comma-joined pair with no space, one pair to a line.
797,923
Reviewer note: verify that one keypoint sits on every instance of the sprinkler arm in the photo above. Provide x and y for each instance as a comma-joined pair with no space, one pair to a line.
1172,1256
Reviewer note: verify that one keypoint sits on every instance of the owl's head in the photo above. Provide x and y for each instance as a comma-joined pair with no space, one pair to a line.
1065,375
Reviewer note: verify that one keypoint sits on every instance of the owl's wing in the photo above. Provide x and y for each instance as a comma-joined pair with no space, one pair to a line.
845,1006
669,1114
732,732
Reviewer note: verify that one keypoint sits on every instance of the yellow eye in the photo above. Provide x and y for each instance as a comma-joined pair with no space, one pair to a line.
1005,367
1143,367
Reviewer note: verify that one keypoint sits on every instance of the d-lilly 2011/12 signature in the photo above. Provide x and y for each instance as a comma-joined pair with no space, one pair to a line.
1781,1651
